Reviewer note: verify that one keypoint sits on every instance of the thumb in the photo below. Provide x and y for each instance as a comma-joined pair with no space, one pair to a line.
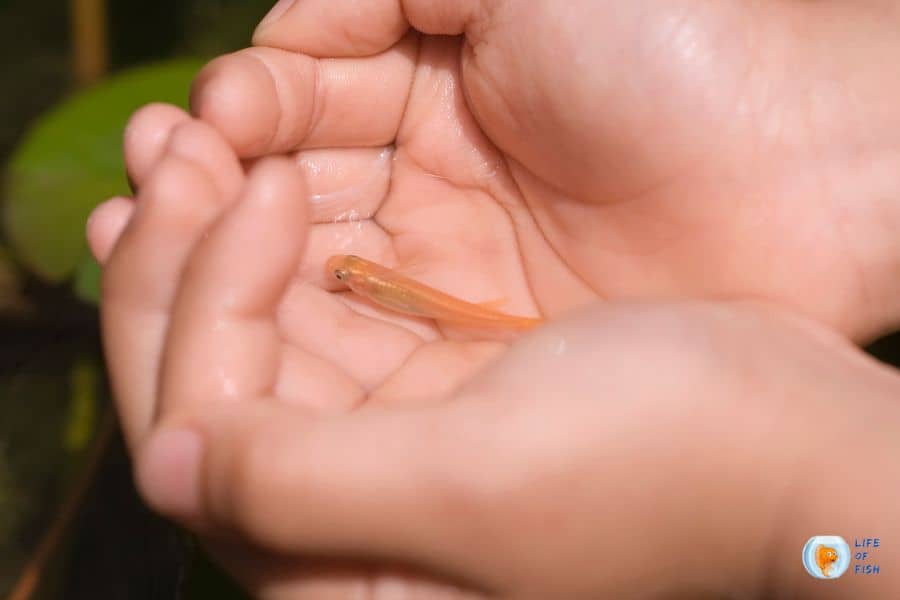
395,485
336,28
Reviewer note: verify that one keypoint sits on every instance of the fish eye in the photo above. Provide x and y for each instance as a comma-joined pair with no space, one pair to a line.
340,274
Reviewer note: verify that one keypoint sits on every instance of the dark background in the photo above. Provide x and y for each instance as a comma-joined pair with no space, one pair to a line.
107,546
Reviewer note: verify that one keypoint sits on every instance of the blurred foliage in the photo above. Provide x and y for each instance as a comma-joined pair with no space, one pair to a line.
87,280
81,421
64,156
71,159
35,69
38,464
218,26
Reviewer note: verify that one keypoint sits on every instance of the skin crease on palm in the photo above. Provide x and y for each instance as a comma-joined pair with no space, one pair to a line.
557,154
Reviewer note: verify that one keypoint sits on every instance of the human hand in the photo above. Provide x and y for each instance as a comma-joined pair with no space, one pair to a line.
567,151
629,428
145,247
537,263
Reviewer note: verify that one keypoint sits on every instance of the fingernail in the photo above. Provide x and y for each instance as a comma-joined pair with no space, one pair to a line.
275,13
168,472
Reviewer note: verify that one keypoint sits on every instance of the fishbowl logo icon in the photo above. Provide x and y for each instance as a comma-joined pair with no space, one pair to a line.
826,556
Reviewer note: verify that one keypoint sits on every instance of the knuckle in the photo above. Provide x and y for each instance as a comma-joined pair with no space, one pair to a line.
187,136
151,113
175,192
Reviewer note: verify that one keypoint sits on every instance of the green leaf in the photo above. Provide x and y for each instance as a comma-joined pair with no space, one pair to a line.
71,160
87,280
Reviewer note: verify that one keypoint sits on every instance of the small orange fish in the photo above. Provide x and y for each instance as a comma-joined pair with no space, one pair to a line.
825,558
402,294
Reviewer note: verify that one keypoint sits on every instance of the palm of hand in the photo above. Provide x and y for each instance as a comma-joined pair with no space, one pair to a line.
554,204
445,221
695,149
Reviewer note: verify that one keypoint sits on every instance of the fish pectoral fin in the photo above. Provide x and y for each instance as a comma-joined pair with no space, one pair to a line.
493,304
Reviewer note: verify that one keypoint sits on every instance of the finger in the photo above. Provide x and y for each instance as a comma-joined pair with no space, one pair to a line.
175,206
359,28
271,101
205,147
223,341
106,223
139,282
346,183
146,136
385,485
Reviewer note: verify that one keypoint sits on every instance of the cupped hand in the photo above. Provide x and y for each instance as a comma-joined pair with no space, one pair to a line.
203,307
580,464
566,151
633,427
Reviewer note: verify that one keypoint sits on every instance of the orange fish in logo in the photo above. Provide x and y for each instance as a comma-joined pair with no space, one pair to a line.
825,558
